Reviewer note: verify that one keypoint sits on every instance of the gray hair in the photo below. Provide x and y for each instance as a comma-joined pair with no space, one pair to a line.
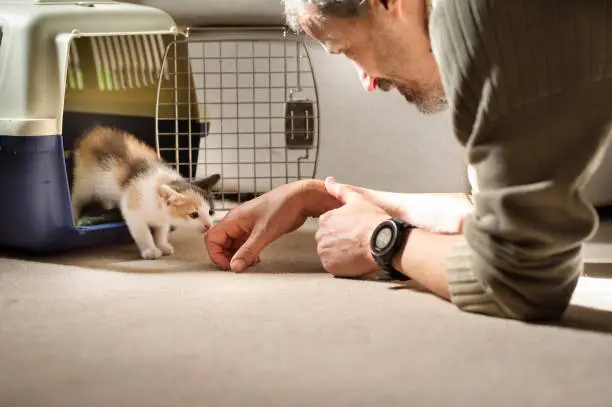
330,8
325,8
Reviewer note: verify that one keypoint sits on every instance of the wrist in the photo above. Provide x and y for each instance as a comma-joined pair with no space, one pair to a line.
396,262
387,246
314,198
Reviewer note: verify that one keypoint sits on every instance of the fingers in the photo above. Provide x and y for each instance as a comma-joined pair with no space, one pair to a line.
341,192
236,245
249,252
222,248
218,244
222,240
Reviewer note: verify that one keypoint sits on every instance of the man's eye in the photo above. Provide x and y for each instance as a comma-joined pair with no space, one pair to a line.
194,215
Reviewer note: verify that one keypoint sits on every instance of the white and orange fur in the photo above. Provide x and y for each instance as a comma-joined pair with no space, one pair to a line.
118,170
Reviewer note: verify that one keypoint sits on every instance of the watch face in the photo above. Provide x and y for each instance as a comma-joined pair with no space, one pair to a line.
383,238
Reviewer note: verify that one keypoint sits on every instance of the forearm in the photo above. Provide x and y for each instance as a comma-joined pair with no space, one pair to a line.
441,213
424,260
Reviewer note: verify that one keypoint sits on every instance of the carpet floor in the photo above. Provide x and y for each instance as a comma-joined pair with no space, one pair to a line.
101,328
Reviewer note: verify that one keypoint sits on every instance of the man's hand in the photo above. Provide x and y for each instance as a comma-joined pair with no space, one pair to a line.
346,231
343,238
237,241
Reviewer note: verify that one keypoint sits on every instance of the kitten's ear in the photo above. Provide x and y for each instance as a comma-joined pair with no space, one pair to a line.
168,194
208,182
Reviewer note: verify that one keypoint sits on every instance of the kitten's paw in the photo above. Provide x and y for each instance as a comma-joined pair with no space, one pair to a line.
166,248
151,254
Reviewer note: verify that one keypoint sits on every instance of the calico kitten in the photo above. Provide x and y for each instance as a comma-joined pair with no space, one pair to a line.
118,170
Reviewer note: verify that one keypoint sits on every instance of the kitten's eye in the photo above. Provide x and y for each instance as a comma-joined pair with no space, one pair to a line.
194,215
211,212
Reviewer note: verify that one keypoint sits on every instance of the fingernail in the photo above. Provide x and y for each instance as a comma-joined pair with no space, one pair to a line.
239,265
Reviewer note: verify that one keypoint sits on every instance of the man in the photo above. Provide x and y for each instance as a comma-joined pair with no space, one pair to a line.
528,84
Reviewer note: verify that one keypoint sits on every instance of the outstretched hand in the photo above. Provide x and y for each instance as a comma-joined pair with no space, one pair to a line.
236,242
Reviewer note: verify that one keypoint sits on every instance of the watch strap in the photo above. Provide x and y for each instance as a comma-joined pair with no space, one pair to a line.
389,273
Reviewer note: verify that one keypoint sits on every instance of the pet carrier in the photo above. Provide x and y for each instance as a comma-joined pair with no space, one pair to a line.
64,67
229,101
256,90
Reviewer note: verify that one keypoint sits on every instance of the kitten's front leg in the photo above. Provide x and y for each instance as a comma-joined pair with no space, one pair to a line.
161,238
142,236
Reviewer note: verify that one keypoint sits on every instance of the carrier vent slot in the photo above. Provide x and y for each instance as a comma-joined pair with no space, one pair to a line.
0,38
121,62
75,71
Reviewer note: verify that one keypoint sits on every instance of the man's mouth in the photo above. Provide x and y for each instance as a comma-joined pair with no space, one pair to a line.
375,83
372,83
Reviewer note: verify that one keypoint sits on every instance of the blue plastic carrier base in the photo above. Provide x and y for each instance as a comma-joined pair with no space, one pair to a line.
35,179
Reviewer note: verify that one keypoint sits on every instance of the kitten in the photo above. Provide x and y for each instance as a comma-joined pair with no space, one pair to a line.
118,170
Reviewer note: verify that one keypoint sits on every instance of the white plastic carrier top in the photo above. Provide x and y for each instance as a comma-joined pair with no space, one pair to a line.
34,42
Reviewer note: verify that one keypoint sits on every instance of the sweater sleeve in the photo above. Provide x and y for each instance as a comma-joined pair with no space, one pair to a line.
530,103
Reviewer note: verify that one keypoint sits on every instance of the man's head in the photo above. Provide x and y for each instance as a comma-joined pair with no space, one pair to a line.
388,41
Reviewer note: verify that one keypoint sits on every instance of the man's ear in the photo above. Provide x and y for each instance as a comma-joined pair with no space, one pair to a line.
207,183
168,194
404,8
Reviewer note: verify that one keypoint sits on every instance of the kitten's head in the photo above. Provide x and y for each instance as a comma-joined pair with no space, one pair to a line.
189,204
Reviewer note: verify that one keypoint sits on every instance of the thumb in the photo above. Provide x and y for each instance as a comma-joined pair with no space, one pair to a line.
248,253
341,192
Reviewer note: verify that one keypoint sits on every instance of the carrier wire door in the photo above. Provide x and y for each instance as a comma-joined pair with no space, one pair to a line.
244,106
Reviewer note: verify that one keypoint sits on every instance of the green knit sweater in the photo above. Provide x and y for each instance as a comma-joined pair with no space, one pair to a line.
530,89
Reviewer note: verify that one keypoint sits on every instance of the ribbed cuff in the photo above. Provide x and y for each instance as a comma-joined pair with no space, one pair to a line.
468,293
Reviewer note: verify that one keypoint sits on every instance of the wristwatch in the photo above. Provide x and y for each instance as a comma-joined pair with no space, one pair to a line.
387,240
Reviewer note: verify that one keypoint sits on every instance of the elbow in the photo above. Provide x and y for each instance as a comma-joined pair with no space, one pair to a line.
546,303
537,290
539,297
522,254
520,310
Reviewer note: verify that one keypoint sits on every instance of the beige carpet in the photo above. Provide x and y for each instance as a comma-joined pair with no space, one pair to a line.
102,329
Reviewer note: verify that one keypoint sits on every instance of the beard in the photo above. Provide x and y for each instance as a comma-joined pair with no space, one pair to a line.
426,101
